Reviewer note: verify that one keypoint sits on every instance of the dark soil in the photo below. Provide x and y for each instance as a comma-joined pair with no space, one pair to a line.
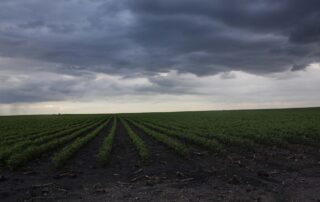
271,174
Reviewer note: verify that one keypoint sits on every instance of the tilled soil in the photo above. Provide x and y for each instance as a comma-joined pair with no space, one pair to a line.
270,174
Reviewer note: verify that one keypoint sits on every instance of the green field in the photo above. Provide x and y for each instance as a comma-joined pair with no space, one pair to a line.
26,138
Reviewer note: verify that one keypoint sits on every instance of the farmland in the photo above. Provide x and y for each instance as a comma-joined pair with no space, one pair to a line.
256,153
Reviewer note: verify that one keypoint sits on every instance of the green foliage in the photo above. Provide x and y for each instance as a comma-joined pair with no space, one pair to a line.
19,159
23,145
106,147
174,144
68,151
14,139
138,142
227,140
244,128
25,138
23,126
188,135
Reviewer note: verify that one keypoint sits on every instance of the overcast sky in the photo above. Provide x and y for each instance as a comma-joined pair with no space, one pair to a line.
98,56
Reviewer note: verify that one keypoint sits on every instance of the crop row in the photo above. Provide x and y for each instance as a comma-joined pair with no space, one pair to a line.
38,138
204,138
106,147
139,144
19,159
247,140
174,144
6,152
11,127
68,151
187,135
264,127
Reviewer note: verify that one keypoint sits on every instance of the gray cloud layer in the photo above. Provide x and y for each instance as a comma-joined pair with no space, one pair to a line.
143,37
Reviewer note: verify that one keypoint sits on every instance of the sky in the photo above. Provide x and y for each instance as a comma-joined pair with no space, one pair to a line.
109,56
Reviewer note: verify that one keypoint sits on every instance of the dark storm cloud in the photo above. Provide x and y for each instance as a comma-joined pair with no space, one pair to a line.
307,31
213,36
298,67
143,37
203,37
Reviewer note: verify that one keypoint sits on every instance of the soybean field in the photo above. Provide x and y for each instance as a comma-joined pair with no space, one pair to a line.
250,151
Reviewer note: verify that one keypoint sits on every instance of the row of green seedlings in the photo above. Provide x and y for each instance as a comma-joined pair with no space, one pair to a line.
174,144
139,144
303,137
189,136
230,140
42,131
60,158
204,138
23,136
19,159
6,152
251,139
14,133
25,139
106,147
245,139
33,124
8,139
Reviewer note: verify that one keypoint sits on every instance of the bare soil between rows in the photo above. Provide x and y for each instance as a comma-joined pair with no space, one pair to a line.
271,174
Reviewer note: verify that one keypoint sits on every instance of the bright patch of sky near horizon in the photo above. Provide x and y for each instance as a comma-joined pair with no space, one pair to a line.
184,92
